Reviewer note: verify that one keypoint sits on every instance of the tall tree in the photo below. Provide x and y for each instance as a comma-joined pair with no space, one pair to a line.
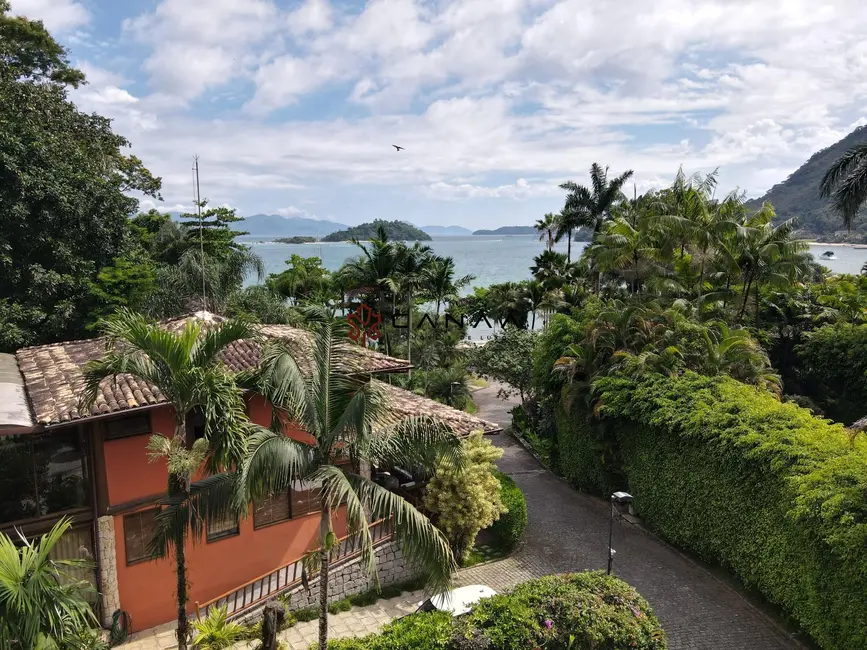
846,183
186,368
348,418
440,282
547,229
64,190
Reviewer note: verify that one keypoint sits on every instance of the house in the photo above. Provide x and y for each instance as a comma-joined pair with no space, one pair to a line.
56,461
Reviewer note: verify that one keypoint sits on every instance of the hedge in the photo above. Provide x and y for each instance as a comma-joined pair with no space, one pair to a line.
563,612
759,486
832,363
586,458
509,528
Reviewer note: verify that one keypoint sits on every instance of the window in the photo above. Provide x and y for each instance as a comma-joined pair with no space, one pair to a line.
128,426
304,497
42,475
222,528
272,510
138,529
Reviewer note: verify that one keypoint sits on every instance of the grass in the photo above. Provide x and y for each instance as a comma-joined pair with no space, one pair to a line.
471,407
478,382
484,553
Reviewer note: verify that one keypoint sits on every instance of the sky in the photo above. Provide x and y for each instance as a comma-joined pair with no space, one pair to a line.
293,107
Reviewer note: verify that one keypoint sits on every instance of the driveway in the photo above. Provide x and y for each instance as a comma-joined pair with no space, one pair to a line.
568,531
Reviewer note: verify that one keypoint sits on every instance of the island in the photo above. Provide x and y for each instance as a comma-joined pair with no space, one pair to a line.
396,230
295,240
509,230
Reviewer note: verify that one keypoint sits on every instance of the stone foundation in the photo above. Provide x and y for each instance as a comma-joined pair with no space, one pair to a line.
348,579
110,598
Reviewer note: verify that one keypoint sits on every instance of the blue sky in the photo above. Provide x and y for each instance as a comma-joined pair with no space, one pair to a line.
293,106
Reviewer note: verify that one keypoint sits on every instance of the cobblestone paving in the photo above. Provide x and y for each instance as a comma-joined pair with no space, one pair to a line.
568,531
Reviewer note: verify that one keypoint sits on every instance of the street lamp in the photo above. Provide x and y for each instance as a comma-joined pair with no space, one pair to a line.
618,498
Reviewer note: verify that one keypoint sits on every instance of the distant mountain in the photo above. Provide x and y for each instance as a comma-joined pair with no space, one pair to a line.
274,225
396,230
798,196
447,231
509,230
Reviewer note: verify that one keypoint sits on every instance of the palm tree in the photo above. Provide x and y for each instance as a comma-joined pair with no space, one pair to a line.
42,604
412,262
440,283
547,228
592,206
348,419
186,368
534,296
597,201
550,268
574,216
845,183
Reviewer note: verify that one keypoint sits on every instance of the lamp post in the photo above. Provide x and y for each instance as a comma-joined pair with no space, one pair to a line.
618,498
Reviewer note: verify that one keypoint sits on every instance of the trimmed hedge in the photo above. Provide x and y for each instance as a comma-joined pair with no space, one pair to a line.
586,459
509,528
563,612
761,487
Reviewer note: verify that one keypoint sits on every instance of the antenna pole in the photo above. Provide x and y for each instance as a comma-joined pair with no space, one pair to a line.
201,232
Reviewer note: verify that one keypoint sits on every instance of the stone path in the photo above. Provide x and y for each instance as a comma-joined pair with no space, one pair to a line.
568,531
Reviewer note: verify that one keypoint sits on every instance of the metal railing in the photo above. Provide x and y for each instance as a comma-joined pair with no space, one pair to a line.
255,592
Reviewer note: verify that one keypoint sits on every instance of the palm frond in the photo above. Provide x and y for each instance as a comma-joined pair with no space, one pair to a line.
273,463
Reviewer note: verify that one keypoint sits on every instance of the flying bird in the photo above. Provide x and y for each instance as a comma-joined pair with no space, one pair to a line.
398,148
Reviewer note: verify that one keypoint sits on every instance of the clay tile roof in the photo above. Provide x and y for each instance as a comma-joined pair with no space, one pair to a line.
54,381
404,403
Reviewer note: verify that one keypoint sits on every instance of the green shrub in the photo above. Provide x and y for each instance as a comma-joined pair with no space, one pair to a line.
216,631
465,500
342,605
579,610
509,528
761,487
306,614
832,363
365,598
565,612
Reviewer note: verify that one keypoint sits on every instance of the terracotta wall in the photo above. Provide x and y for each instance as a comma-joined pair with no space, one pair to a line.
147,589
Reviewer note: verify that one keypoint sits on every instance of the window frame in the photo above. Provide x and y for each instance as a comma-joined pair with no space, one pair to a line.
223,534
108,435
257,525
127,517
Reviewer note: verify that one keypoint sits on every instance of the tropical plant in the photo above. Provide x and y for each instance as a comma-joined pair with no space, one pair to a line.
449,385
548,228
845,183
350,424
186,368
440,283
42,603
215,631
465,499
508,358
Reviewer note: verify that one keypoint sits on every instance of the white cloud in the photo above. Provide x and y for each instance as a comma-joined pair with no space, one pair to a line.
201,44
520,189
527,90
58,15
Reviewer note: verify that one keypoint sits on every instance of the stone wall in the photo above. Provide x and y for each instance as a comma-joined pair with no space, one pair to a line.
107,568
348,579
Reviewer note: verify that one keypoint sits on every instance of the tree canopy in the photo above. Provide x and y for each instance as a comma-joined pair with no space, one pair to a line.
64,183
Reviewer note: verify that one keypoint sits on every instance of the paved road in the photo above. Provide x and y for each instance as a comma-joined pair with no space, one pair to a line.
568,531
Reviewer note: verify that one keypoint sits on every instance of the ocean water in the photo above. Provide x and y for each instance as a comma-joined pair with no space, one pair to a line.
493,259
